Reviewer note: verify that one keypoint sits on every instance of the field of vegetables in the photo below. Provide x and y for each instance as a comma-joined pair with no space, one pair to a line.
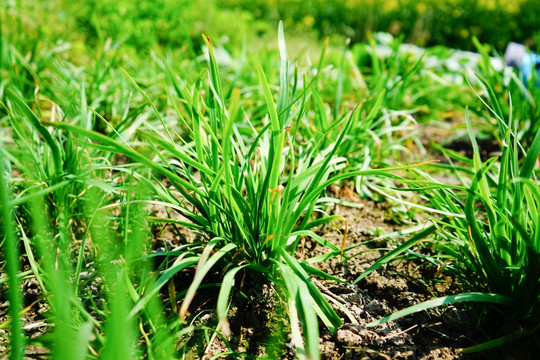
198,180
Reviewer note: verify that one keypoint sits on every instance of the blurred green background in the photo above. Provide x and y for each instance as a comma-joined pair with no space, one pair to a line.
423,22
175,23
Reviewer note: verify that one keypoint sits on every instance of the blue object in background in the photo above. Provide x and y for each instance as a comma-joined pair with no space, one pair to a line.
517,56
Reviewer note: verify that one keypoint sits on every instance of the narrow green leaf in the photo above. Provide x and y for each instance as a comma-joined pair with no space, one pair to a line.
11,253
451,299
162,280
205,264
397,251
33,119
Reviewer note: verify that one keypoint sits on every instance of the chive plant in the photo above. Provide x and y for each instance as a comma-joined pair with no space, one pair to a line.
252,202
246,172
489,227
59,193
11,257
371,137
251,192
386,127
43,201
525,96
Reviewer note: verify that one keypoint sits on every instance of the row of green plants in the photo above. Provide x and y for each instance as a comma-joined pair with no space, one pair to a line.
144,26
227,175
426,22
484,232
244,164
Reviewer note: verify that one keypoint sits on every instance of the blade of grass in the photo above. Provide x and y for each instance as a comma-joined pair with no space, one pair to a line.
204,266
397,251
11,253
450,299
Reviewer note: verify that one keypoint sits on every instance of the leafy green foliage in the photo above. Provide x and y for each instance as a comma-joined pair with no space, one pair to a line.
109,111
425,22
235,195
11,254
138,23
489,228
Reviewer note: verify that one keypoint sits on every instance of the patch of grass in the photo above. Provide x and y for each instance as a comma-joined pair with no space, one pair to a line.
131,111
487,231
252,203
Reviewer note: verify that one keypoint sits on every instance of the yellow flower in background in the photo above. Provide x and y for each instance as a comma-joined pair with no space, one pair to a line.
351,4
308,21
389,5
456,13
421,7
505,5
